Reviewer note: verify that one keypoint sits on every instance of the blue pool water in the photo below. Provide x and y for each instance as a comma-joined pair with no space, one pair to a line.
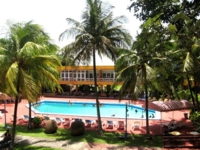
116,110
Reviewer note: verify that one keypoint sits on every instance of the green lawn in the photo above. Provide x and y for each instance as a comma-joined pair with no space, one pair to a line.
91,137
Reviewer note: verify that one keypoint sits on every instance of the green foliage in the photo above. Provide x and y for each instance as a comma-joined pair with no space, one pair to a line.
29,40
151,8
170,22
37,121
172,28
184,94
151,21
199,97
195,118
180,15
77,128
50,127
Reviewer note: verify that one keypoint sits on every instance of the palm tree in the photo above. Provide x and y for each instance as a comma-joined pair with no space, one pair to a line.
135,67
136,74
98,33
27,63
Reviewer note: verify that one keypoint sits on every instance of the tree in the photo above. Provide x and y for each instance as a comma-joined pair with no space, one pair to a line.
145,9
182,18
148,64
27,63
186,54
98,33
189,40
132,67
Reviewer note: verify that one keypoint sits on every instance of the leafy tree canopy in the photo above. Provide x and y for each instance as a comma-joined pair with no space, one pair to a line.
145,9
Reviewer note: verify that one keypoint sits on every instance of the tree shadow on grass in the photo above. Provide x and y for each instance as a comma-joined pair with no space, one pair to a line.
92,138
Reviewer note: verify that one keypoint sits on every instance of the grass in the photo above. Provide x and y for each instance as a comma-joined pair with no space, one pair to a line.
90,137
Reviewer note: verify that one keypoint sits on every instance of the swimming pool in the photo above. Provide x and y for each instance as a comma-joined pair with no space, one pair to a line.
116,110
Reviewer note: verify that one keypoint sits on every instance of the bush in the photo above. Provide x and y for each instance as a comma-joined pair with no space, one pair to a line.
77,128
37,121
195,119
185,94
50,127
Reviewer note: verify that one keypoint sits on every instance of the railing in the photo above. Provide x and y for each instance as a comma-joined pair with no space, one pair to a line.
66,79
86,79
107,79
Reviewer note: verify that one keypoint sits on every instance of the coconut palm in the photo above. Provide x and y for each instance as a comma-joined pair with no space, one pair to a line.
27,63
136,74
98,33
135,67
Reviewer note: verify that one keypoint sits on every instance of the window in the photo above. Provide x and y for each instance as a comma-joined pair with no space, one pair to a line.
91,75
63,74
104,75
112,75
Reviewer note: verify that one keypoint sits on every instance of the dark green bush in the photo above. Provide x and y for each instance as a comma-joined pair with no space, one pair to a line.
195,119
37,121
77,128
50,127
185,94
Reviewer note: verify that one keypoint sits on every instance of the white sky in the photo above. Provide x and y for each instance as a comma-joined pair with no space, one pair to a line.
52,14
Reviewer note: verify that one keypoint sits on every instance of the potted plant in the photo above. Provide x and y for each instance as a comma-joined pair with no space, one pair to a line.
37,121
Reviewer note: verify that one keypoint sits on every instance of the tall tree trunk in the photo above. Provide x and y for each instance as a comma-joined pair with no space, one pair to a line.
96,94
190,88
146,101
14,122
17,97
196,93
29,120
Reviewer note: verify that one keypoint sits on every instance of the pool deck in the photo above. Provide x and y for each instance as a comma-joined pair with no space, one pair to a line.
155,126
78,108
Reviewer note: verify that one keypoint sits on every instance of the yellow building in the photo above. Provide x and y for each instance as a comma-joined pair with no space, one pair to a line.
83,75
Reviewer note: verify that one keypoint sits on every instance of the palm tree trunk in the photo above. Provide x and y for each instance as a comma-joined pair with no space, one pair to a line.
18,96
190,88
146,101
14,122
96,94
196,95
29,120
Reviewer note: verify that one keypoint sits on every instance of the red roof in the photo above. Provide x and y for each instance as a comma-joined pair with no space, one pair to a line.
169,105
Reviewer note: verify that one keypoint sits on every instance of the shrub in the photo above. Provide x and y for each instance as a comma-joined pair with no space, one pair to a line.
195,119
37,121
50,127
185,94
77,128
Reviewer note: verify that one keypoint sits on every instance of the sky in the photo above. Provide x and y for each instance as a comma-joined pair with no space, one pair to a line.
52,14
